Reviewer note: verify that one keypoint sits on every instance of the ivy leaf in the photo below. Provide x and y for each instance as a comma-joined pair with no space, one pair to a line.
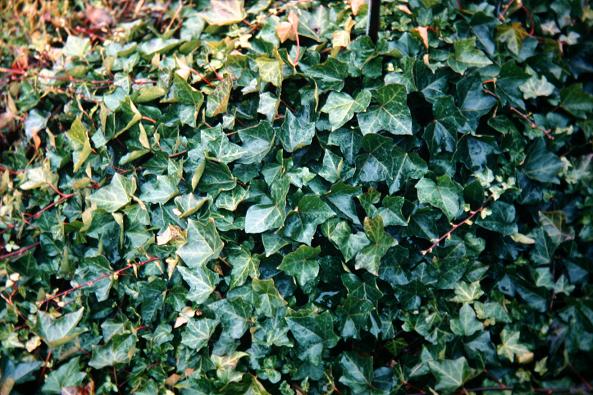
120,349
576,101
224,12
357,373
79,138
262,217
540,164
201,280
67,375
501,219
392,113
244,265
203,244
511,347
311,212
301,264
160,190
346,241
467,293
197,333
91,269
450,373
296,132
270,70
444,194
257,142
116,195
218,100
341,107
466,54
314,333
384,161
466,324
61,330
513,35
369,257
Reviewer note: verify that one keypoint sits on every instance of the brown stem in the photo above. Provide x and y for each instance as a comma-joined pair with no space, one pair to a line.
92,282
20,251
438,241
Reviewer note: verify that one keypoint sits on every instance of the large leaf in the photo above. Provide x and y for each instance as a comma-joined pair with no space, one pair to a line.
61,330
445,194
341,107
203,244
392,113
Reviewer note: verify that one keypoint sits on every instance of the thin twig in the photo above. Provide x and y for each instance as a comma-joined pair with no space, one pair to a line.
92,282
20,251
454,227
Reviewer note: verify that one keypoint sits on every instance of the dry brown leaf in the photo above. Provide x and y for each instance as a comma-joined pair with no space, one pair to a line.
356,5
404,8
224,12
423,33
287,30
98,17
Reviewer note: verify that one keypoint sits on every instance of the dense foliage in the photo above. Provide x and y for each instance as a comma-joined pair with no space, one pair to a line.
255,198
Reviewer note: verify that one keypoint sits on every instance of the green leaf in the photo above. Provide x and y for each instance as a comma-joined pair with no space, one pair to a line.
245,265
81,145
346,241
116,195
201,280
542,165
392,113
467,293
159,190
511,347
219,146
513,35
262,217
257,142
296,132
468,55
197,333
466,324
332,166
444,194
341,107
89,270
302,223
576,101
313,333
203,244
120,349
536,87
369,257
270,70
301,264
67,375
218,100
501,219
357,373
57,331
450,373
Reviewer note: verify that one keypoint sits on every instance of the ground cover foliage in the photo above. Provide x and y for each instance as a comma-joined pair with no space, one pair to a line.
255,198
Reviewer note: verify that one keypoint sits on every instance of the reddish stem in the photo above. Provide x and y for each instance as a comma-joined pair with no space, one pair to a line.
20,251
92,282
438,241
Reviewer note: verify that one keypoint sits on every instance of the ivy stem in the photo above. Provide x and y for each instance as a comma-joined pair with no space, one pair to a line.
20,251
92,282
454,227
